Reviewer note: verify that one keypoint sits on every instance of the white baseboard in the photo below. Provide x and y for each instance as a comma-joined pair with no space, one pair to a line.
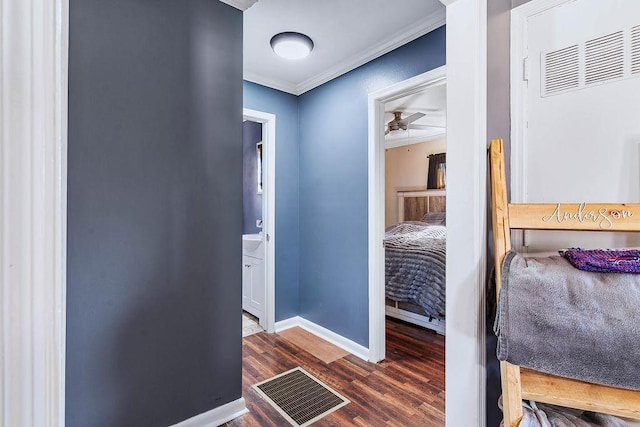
291,322
217,416
436,325
327,335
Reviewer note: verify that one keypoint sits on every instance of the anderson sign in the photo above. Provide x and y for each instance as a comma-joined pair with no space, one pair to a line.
602,216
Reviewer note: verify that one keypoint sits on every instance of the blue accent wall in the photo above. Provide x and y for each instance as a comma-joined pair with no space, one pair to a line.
285,107
251,200
154,211
333,186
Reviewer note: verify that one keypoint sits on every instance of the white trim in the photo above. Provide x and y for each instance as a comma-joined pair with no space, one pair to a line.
289,323
376,209
465,376
518,94
268,210
240,4
217,416
33,91
430,23
324,333
272,83
436,325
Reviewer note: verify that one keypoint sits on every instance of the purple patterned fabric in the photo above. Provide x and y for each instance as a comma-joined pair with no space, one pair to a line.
604,260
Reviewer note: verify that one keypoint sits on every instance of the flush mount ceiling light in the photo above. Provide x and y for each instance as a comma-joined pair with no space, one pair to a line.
291,45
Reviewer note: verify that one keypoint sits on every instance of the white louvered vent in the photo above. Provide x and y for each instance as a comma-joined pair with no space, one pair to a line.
593,62
604,58
635,50
562,70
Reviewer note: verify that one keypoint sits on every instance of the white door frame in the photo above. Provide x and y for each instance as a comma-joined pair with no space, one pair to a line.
33,149
376,150
268,208
466,220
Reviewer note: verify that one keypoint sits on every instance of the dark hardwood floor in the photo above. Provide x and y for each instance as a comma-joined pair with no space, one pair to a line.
406,389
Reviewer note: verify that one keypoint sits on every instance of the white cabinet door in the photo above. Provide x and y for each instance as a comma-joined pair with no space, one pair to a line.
253,287
257,289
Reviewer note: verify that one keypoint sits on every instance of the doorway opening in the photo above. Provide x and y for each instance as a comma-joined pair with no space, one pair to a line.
382,105
258,281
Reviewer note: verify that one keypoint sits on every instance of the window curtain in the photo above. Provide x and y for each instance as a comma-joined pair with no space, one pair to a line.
434,161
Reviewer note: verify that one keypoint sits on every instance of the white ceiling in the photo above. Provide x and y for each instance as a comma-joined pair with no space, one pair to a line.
346,34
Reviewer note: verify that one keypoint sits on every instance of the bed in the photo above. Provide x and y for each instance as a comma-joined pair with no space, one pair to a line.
415,250
549,371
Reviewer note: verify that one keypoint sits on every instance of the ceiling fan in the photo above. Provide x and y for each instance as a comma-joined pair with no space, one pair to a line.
398,123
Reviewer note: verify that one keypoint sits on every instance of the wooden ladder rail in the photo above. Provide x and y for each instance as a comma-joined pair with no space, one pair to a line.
517,383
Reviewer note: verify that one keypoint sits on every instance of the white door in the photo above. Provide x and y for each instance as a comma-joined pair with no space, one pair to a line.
575,110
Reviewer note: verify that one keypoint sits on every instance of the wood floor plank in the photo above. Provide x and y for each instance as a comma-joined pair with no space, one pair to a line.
406,389
320,348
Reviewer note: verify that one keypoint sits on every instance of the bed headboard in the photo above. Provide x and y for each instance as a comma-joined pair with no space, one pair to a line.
412,205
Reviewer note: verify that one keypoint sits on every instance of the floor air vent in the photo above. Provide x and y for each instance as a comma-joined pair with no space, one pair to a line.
299,397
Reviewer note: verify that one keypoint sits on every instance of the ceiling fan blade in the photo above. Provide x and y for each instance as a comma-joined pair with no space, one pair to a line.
412,118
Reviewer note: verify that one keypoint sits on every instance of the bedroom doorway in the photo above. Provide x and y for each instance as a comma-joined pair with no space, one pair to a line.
407,123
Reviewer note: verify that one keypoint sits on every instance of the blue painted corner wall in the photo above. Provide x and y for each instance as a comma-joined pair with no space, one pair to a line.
322,161
285,108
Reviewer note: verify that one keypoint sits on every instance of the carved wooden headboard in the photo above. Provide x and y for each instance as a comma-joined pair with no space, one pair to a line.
412,205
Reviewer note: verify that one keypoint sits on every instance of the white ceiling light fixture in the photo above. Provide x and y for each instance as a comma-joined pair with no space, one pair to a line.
291,45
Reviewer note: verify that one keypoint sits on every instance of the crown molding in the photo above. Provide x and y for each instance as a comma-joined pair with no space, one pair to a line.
280,85
240,4
409,34
401,38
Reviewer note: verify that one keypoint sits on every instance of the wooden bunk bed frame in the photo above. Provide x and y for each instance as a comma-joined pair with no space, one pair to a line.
412,205
520,383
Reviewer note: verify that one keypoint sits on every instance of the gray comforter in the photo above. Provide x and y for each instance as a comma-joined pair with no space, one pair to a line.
563,321
415,265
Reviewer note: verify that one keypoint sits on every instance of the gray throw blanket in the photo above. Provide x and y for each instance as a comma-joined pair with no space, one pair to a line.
415,265
563,321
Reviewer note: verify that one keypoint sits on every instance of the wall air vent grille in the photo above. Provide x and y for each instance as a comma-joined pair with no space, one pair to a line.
601,60
562,70
604,58
635,50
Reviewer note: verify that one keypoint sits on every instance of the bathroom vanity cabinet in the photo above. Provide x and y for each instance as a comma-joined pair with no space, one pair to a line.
253,279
